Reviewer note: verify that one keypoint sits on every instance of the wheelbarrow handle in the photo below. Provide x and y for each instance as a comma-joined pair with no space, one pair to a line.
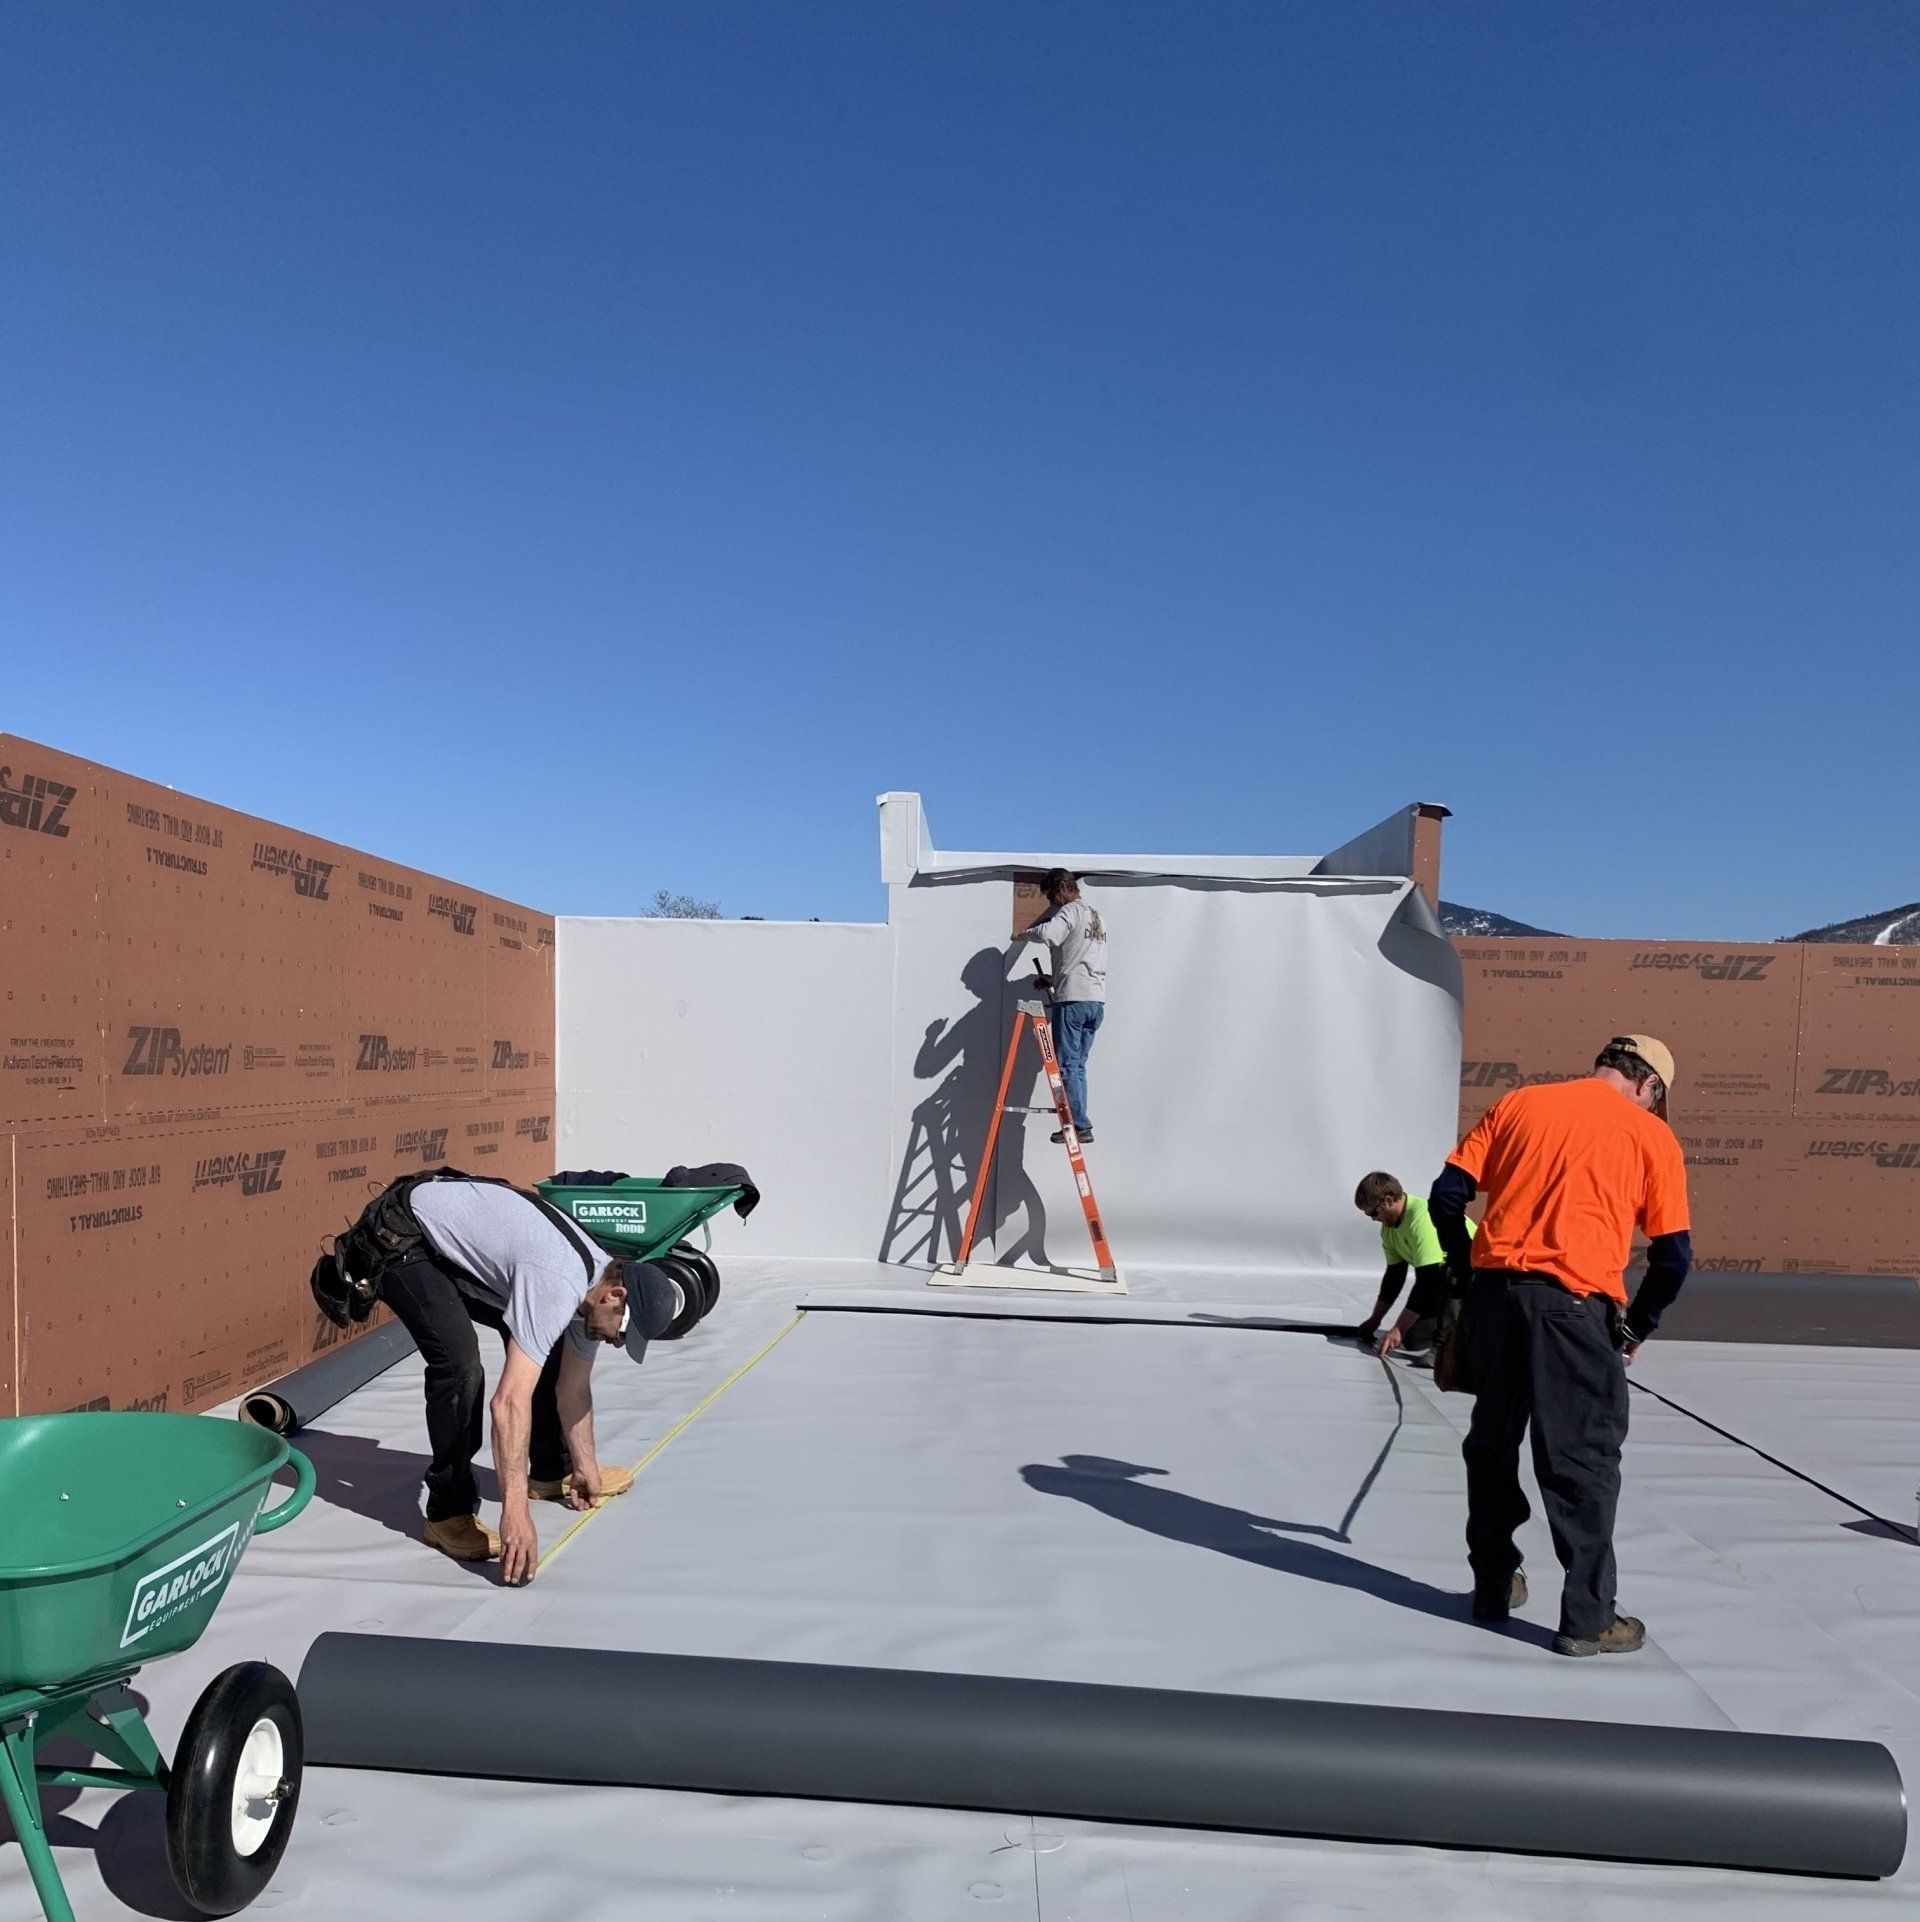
273,1518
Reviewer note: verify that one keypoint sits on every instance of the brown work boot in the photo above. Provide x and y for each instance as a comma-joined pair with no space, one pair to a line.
1627,1636
465,1537
613,1481
1496,1608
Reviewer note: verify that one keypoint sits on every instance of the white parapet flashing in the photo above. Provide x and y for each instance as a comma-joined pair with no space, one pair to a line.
907,854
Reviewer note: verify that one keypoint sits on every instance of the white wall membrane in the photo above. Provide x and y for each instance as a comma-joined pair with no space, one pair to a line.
761,1042
1266,1043
1271,1035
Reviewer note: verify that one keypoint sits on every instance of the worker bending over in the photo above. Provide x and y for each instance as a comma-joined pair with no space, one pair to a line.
1408,1241
448,1253
1570,1169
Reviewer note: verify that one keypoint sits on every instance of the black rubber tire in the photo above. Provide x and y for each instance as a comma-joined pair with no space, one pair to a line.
208,1868
709,1273
688,1279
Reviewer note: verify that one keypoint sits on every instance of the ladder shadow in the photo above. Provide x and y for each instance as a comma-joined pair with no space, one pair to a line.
962,1059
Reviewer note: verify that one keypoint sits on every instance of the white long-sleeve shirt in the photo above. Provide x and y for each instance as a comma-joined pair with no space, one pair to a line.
1078,938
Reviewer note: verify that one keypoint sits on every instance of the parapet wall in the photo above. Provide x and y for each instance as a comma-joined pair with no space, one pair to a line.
217,1037
1799,1069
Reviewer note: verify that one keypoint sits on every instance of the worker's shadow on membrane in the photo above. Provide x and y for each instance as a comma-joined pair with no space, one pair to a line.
962,1058
129,1842
383,1484
1114,1488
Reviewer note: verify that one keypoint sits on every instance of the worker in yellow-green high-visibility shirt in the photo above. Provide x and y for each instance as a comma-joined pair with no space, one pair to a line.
1408,1241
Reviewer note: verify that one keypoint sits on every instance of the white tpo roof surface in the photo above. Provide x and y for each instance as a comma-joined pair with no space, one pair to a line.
1245,1510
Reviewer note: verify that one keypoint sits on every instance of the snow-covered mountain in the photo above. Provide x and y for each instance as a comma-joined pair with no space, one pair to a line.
1483,921
1890,928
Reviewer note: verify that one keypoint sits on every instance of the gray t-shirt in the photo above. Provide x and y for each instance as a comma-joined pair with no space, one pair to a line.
513,1258
1078,938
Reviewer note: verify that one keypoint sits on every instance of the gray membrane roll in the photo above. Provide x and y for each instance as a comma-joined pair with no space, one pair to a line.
287,1405
1597,1789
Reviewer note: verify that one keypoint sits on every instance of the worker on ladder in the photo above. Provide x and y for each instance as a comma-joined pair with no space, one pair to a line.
1062,1027
1077,988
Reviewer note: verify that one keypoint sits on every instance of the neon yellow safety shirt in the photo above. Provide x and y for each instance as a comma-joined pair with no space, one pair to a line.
1415,1241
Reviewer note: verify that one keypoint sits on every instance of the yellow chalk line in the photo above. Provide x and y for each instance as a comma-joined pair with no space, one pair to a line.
686,1421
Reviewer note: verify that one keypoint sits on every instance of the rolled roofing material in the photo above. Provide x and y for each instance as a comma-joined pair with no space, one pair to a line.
1422,1776
294,1400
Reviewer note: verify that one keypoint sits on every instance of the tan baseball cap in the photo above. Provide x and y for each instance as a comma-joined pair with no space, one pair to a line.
1657,1055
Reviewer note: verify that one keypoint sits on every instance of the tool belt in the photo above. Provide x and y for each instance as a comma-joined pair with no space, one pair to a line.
1449,1351
347,1280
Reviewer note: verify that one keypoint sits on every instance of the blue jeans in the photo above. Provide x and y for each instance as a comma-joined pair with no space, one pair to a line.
1075,1023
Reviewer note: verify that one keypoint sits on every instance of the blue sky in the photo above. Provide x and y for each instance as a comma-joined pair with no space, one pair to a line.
589,448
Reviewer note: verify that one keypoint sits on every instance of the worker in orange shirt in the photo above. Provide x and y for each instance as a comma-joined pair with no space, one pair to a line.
1570,1169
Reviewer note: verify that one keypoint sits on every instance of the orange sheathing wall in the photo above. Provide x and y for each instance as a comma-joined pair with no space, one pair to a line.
217,1037
1799,1096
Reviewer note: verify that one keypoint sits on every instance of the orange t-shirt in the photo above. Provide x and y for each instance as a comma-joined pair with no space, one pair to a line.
1570,1169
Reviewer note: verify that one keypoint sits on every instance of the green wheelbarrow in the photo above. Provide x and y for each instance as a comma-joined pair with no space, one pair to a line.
122,1533
645,1220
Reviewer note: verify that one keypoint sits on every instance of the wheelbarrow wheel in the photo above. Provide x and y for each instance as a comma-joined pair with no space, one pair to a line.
708,1270
693,1294
234,1787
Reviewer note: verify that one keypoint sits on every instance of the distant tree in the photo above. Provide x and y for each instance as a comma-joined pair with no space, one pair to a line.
681,907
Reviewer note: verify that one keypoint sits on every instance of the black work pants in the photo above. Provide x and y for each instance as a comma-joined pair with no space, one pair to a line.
440,1316
1540,1357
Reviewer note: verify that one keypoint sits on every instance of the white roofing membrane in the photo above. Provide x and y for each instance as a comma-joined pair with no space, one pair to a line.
1265,1045
1161,1499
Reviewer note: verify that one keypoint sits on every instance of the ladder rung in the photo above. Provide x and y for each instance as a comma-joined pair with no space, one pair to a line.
1048,1109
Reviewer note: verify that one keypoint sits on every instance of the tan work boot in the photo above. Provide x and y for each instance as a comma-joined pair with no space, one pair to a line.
613,1481
1496,1608
1627,1636
465,1537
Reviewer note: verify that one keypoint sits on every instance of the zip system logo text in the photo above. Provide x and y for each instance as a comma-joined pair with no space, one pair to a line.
379,1056
1713,966
1502,1074
1877,1082
1883,1154
256,1170
462,914
38,805
309,875
161,1051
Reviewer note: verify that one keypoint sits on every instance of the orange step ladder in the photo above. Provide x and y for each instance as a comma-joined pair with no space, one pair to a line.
1104,1277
